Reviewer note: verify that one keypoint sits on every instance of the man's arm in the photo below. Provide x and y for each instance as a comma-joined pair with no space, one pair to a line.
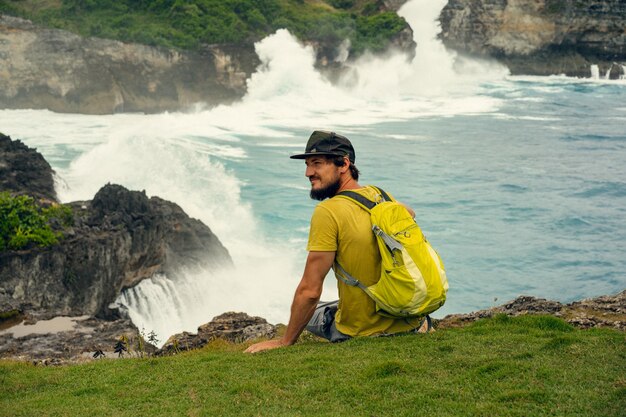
304,301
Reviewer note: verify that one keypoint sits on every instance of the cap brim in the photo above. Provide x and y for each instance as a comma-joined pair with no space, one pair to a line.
306,155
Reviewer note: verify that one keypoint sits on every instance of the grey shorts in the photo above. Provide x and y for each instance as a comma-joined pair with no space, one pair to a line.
322,323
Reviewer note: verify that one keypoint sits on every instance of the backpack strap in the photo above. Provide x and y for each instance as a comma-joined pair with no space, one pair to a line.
366,203
383,193
348,279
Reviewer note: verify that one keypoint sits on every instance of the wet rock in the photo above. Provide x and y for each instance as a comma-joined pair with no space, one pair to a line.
231,326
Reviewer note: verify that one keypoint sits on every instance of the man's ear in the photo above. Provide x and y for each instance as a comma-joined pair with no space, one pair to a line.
346,165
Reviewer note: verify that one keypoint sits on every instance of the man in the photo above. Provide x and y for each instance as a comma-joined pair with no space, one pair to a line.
340,232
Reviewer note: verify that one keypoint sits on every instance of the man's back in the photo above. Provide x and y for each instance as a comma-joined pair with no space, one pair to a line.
340,225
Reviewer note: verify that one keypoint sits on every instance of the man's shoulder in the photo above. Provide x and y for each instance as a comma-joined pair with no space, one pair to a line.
370,192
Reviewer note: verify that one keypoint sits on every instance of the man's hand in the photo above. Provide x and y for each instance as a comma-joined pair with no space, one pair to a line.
304,301
270,344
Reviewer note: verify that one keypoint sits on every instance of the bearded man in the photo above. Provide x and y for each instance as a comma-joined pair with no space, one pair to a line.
340,233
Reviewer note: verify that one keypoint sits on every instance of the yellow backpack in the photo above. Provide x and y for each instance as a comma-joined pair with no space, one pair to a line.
413,280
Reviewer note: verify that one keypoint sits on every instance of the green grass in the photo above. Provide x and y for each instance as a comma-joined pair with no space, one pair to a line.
527,366
188,24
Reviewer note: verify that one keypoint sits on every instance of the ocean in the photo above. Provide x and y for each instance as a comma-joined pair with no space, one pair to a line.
518,182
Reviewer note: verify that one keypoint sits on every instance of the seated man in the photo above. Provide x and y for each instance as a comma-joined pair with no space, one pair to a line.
340,231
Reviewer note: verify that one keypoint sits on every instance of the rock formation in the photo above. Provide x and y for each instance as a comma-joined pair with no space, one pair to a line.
540,37
231,326
116,240
57,70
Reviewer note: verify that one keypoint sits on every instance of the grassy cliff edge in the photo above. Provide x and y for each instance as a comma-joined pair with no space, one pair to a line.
505,366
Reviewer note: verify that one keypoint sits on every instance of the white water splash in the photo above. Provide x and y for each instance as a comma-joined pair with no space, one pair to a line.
434,71
595,72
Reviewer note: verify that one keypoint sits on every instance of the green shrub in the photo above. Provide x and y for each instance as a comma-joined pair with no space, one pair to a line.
188,24
374,32
23,222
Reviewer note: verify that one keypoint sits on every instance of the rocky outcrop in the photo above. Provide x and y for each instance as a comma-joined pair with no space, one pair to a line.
116,240
57,70
605,311
540,37
231,326
23,171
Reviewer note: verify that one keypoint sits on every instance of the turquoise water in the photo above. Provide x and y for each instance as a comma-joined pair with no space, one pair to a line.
518,182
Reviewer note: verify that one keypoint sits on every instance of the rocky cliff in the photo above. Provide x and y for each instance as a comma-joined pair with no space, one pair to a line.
57,70
53,69
116,240
540,37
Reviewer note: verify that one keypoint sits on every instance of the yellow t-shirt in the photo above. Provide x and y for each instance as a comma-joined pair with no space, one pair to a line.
340,225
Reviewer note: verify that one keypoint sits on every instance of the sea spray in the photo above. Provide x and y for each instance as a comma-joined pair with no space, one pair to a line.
433,71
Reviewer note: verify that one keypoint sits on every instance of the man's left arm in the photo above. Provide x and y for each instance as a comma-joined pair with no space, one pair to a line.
304,301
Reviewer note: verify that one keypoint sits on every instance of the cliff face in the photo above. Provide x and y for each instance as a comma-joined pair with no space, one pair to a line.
57,70
540,37
54,69
118,239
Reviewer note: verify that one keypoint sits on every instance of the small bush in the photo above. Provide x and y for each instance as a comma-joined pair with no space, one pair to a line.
23,222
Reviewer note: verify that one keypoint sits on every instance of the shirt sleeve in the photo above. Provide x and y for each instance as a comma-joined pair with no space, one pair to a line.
323,231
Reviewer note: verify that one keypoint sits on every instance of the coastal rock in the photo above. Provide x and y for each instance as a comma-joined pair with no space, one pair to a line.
118,239
605,311
23,171
540,37
79,344
231,326
54,69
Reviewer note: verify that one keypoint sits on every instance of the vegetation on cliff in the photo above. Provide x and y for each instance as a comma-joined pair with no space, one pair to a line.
23,222
187,24
504,366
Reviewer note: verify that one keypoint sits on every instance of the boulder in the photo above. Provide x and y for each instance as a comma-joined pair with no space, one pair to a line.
233,327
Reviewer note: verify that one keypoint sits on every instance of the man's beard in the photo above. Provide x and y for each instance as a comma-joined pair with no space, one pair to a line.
323,193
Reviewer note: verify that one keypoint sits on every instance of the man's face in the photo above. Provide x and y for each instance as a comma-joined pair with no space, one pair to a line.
324,177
